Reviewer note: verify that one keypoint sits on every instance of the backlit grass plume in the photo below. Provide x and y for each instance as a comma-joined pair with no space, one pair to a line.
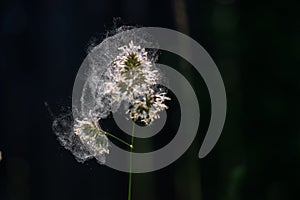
130,78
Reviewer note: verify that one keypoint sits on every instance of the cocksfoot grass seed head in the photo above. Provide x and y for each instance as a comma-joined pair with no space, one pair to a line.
133,77
93,138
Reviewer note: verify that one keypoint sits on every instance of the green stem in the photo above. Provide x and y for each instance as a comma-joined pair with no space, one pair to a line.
120,140
130,164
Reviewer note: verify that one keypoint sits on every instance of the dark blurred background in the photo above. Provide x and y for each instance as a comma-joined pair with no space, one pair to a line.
255,45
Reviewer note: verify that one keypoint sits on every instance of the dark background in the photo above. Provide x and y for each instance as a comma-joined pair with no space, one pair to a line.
255,45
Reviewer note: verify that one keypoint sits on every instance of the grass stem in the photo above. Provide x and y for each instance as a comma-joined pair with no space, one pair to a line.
130,164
